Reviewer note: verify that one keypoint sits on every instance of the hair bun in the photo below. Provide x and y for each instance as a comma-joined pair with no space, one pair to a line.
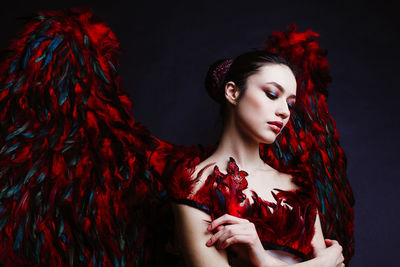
215,79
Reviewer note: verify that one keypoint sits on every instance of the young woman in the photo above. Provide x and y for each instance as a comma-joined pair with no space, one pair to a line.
83,184
256,92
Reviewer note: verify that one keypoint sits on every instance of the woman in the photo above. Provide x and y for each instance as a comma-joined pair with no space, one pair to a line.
256,92
82,183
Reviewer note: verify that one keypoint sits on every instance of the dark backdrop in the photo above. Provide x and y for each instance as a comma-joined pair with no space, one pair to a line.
169,45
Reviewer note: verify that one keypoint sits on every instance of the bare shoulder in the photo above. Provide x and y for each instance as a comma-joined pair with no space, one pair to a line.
287,181
202,171
206,167
187,213
281,180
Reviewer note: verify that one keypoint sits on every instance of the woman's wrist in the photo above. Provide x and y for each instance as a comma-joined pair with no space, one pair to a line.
270,261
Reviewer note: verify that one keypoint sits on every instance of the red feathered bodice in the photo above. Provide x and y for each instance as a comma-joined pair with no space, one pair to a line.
287,224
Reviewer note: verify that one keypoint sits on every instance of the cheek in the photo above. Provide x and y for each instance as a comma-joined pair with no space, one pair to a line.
253,104
252,109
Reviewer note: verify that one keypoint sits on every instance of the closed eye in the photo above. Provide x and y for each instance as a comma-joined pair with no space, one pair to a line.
271,95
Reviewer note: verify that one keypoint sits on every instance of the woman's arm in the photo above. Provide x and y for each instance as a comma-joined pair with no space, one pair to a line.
331,256
318,239
191,230
194,231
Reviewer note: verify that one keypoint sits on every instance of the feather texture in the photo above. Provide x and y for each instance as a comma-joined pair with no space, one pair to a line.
286,224
310,142
82,183
69,148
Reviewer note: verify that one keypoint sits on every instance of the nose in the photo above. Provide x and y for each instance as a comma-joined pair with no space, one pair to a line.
283,110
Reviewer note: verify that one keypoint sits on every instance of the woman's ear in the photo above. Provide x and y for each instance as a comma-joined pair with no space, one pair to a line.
232,93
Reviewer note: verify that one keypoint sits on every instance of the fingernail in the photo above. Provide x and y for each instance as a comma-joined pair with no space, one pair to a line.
208,242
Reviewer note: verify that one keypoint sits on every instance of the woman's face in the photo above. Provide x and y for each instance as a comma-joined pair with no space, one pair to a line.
264,108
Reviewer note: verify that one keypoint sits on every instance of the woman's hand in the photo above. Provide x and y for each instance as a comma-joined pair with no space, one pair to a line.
240,235
332,255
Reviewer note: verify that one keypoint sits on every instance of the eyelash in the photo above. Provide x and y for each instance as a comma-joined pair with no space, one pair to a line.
271,95
274,96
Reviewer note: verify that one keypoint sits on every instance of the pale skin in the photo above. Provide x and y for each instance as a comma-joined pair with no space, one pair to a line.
269,94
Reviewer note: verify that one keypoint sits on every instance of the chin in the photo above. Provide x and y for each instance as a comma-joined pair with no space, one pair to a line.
268,139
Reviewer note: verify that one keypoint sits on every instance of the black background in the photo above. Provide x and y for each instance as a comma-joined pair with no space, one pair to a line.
168,46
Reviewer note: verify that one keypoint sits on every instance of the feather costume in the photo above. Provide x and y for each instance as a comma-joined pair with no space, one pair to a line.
82,183
71,154
310,142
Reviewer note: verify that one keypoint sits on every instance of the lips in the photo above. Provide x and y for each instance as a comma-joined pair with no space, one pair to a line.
276,126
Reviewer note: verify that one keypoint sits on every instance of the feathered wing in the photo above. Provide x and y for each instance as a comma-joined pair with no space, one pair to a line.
73,161
310,142
80,180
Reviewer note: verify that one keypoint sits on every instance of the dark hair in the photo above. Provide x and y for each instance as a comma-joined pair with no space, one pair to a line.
237,71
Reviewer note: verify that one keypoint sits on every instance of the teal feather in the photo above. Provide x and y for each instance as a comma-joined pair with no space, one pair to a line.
66,148
116,262
21,80
39,41
49,57
91,197
63,96
112,66
17,131
99,71
77,54
49,52
26,58
320,187
13,66
312,104
28,135
41,177
32,171
10,149
61,228
7,86
123,262
18,238
74,160
124,172
56,41
86,41
41,57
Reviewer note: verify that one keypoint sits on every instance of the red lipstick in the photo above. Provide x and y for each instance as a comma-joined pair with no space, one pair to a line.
276,126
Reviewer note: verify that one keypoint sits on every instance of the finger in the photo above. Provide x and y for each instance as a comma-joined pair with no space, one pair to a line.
219,244
214,238
341,258
224,219
219,228
228,231
236,239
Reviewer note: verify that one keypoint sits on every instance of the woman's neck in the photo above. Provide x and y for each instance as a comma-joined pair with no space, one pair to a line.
243,149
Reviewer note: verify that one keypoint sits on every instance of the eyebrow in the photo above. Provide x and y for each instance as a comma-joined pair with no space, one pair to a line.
277,85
